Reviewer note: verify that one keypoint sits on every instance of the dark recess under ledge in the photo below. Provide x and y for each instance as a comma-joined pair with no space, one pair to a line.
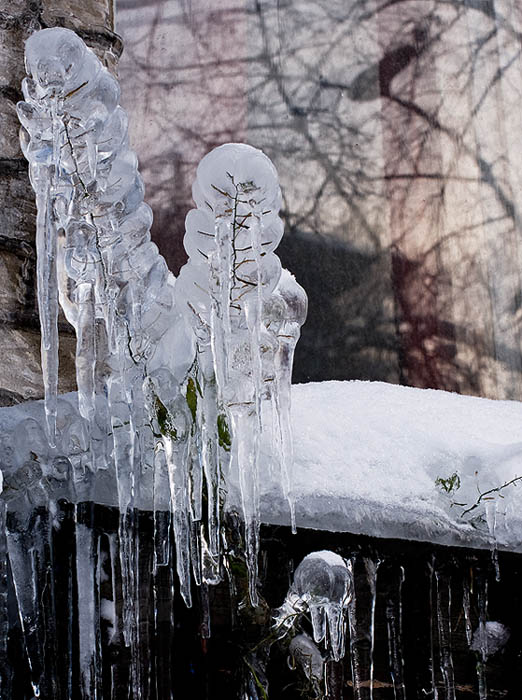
174,657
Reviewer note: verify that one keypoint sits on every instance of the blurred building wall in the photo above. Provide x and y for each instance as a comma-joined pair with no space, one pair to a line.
396,131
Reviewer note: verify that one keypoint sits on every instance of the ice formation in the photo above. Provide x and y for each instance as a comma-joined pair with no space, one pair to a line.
303,651
323,587
95,259
489,638
245,313
190,378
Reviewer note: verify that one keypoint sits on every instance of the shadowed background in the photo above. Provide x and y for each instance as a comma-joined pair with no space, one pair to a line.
395,127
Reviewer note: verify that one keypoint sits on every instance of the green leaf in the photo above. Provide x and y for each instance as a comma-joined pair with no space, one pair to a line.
164,419
449,485
192,397
225,440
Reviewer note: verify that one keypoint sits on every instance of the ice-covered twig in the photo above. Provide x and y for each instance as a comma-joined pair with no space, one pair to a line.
190,375
94,247
95,256
246,313
322,587
487,495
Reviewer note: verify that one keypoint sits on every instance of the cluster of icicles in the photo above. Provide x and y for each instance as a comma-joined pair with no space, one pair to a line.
338,598
189,377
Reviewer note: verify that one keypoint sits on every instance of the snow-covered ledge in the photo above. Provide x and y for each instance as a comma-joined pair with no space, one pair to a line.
367,459
368,454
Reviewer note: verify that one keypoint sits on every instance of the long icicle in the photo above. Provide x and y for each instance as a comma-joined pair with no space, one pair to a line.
394,625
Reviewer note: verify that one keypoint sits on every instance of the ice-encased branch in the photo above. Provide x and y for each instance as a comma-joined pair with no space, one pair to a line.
246,314
94,247
201,365
96,259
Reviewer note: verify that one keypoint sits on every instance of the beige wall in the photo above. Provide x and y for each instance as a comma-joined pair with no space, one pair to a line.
396,131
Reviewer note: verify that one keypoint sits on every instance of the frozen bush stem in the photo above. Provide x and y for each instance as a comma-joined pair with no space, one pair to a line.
96,259
200,366
245,313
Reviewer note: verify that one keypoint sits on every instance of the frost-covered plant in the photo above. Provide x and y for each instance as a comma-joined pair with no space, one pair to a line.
96,259
94,247
245,313
451,484
189,376
323,588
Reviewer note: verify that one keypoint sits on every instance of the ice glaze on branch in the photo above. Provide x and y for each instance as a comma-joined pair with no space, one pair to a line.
189,376
95,256
246,314
94,246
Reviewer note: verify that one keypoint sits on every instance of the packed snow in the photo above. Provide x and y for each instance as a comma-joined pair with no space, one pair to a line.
367,457
368,454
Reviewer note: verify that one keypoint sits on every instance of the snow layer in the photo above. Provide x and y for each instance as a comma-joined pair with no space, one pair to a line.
367,456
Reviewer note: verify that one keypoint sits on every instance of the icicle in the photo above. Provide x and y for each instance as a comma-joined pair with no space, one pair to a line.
443,592
162,518
229,294
482,636
355,659
207,418
123,455
294,304
491,510
371,567
466,608
361,619
176,461
433,608
86,350
47,290
205,613
113,553
394,624
88,612
26,539
5,671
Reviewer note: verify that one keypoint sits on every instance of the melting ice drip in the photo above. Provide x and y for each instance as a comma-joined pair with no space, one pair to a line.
323,587
246,314
187,377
